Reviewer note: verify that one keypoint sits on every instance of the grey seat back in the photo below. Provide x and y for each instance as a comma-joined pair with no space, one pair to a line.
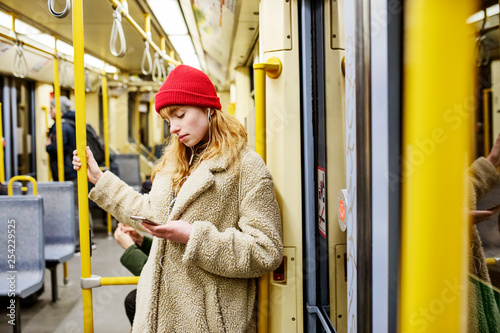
129,169
59,218
17,187
24,215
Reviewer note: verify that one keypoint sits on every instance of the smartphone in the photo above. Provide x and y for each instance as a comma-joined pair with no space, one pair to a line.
493,207
143,219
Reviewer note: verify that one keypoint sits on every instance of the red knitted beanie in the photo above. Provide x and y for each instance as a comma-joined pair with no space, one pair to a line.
186,85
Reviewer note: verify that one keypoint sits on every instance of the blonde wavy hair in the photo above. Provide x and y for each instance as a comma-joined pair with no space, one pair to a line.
228,136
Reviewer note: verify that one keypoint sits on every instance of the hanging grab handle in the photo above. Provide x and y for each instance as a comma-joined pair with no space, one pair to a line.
20,66
117,31
159,73
88,84
146,57
62,14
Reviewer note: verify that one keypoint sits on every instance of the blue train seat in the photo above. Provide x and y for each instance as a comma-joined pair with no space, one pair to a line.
129,169
17,187
59,225
26,214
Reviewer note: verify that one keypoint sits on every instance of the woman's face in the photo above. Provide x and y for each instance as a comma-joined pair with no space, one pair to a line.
190,124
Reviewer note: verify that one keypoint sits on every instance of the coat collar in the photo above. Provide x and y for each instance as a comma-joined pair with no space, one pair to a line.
198,182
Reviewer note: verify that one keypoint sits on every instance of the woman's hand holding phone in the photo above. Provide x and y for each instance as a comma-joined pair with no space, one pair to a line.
143,220
478,216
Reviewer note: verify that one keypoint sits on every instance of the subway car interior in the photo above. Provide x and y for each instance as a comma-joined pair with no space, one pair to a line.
379,121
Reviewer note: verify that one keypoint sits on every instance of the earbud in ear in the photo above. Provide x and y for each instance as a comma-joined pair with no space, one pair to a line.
209,115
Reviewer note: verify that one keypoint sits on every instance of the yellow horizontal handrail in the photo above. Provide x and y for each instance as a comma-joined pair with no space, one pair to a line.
144,35
492,261
272,67
28,178
26,44
121,280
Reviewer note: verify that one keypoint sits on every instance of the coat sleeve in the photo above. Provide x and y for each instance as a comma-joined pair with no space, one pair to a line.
52,148
68,134
483,176
256,246
120,200
147,242
134,259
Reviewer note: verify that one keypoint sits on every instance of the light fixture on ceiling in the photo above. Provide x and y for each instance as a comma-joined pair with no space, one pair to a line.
169,15
98,64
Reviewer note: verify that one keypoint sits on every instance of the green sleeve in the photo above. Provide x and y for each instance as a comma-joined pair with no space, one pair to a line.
134,259
146,245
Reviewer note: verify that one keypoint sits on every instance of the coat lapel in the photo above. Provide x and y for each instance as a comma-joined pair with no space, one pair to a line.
197,183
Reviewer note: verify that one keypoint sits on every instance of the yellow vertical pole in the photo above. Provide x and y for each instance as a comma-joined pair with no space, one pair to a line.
2,167
59,134
81,143
147,30
152,127
231,109
486,121
260,107
162,44
47,119
272,68
106,132
147,25
162,129
436,155
260,148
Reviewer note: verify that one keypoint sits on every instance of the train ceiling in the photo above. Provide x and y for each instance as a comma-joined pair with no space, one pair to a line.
223,31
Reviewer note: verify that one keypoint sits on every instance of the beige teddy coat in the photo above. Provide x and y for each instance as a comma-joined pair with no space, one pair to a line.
484,315
208,284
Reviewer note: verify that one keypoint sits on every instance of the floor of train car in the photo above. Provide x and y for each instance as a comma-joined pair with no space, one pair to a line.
66,315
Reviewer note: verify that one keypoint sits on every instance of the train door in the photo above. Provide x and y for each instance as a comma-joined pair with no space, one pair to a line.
324,160
306,142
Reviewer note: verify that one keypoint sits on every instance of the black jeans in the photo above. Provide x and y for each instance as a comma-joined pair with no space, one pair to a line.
130,305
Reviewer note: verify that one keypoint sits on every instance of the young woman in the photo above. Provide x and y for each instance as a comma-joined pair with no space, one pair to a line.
219,224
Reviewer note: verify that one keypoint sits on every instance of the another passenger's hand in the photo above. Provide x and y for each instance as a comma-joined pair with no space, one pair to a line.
136,236
93,171
175,231
494,156
478,216
123,239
